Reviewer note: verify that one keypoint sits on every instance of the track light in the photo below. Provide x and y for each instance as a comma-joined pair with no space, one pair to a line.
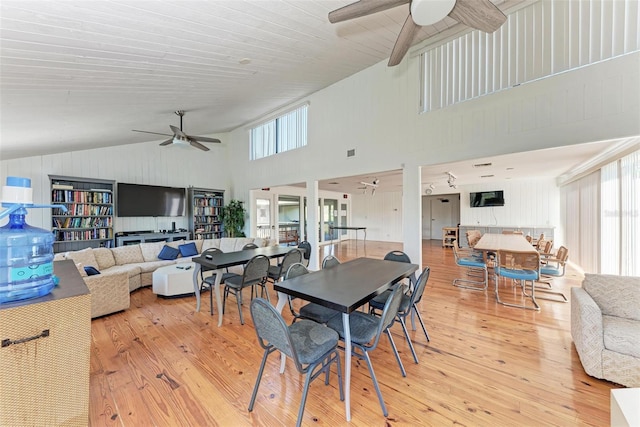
451,180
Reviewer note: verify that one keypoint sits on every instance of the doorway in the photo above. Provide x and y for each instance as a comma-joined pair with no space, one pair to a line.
438,212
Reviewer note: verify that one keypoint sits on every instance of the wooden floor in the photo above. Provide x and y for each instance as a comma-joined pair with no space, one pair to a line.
161,363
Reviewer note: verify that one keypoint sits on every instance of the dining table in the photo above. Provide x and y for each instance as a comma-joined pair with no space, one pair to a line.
344,287
508,242
221,261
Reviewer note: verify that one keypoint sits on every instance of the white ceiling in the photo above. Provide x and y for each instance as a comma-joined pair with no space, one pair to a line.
82,74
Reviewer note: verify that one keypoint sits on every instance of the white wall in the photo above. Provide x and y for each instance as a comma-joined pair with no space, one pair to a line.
145,163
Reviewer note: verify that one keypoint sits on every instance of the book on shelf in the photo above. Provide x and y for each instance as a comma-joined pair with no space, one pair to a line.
61,187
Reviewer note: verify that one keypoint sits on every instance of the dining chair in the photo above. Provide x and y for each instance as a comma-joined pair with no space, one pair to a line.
312,347
250,246
399,256
409,302
255,274
210,280
522,267
472,264
310,311
305,246
552,266
330,261
366,330
276,272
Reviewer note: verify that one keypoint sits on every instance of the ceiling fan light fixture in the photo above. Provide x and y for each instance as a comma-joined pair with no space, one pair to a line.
428,12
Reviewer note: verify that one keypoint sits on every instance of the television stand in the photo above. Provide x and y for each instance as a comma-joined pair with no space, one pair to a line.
143,237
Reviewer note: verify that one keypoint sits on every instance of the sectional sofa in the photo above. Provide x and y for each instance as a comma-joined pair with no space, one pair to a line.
115,272
605,326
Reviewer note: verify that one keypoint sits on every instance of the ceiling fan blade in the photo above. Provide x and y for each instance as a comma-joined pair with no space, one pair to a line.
153,133
362,8
198,145
178,132
204,139
479,14
167,142
403,43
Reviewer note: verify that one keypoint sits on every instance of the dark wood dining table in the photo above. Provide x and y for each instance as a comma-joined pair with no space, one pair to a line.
344,288
220,261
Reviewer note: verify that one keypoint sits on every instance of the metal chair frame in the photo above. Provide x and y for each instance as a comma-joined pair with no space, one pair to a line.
522,267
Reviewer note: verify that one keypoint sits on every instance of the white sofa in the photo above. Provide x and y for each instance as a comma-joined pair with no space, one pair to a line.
127,268
605,326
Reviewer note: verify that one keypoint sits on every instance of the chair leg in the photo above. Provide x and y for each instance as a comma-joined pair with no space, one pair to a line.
303,399
239,301
526,307
375,383
211,300
406,335
415,311
475,285
395,352
255,387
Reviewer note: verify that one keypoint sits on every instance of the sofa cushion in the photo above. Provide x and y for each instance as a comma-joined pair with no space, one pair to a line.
168,253
81,269
127,254
84,257
188,249
241,241
151,250
105,258
261,242
228,244
150,267
210,243
615,295
622,335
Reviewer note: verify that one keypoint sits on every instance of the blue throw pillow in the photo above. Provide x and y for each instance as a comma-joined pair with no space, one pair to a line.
91,271
168,253
188,249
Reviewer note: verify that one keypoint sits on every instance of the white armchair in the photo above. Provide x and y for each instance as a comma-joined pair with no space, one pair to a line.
605,326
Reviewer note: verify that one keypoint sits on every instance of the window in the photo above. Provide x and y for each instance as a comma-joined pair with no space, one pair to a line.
543,39
283,133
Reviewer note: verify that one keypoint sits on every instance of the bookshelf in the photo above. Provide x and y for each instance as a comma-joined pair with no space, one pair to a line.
205,210
88,221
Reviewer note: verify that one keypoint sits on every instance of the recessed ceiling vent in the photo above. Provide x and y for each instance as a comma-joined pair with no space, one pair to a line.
482,165
487,176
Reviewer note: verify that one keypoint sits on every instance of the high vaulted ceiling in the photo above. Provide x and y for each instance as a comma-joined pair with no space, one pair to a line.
82,74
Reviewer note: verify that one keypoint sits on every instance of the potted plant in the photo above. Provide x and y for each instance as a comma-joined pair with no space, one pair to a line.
233,215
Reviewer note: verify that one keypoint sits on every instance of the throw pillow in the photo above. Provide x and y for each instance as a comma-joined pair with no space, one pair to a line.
188,250
91,271
168,253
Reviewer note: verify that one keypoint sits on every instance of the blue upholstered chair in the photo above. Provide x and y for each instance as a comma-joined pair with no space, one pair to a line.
553,266
312,347
366,330
473,265
523,268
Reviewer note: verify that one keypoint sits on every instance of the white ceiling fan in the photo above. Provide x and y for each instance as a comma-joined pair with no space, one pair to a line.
181,138
479,14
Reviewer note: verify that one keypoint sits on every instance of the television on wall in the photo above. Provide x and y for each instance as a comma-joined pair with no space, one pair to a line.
483,199
150,200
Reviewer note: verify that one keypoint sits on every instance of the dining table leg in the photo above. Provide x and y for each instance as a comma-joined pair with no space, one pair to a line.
216,289
196,285
282,301
347,365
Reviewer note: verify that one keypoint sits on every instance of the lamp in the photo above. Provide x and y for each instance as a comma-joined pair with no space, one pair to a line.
428,12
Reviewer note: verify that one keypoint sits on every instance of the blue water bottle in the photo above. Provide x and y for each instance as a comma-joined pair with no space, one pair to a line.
26,252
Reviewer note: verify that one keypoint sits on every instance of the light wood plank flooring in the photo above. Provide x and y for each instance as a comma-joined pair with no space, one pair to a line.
161,363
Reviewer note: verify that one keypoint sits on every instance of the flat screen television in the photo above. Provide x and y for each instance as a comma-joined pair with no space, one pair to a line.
483,199
150,200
